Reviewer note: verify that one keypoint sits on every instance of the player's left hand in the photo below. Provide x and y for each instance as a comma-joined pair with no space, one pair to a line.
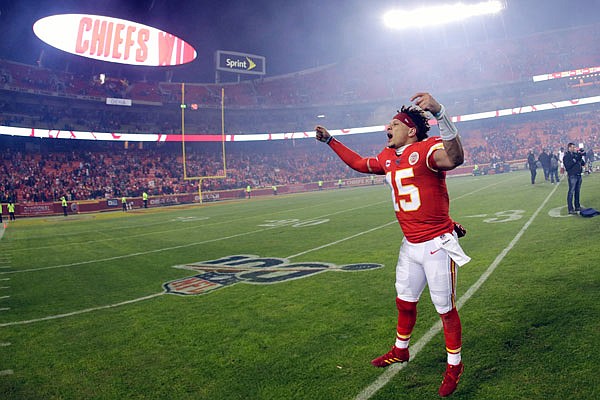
426,102
459,229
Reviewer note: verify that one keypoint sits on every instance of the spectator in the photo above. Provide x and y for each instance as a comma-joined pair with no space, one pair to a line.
532,164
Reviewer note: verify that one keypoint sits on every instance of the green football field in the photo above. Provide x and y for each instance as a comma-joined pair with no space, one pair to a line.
290,297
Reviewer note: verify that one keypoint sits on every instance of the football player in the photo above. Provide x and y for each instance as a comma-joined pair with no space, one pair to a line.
414,166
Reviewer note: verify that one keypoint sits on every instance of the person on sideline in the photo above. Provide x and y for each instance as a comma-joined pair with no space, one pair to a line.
63,202
561,154
574,163
11,211
414,166
554,163
532,164
544,159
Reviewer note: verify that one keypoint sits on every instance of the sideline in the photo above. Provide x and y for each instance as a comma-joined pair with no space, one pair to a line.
436,328
157,210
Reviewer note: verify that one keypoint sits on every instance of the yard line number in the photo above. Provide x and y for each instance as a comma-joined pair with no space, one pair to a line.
294,223
500,216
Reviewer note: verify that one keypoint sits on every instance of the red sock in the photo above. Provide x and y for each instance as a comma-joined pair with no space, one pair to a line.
452,331
407,316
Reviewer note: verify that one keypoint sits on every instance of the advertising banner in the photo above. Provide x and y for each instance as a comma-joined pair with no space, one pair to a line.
113,40
240,63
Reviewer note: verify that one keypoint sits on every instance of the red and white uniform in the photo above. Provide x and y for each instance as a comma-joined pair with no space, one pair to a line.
430,249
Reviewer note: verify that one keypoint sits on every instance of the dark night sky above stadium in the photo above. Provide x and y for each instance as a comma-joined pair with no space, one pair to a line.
292,35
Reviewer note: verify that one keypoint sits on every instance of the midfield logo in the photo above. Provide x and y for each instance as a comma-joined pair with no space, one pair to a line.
227,271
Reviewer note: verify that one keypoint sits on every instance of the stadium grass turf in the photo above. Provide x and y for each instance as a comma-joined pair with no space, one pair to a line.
528,331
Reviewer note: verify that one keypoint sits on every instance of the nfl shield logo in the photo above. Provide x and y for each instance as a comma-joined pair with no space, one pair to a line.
200,284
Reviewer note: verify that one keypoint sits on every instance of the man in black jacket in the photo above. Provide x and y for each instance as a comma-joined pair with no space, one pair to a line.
532,164
573,161
544,159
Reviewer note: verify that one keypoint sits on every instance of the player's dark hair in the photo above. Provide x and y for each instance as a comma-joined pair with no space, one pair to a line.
420,120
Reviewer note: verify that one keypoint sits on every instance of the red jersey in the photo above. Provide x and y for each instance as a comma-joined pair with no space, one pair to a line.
419,192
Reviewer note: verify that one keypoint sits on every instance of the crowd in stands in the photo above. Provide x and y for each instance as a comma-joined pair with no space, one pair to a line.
31,173
503,140
33,170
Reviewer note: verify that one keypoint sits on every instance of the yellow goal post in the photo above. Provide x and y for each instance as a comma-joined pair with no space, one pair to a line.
184,159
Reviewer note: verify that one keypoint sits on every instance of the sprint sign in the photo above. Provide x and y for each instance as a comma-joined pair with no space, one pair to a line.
113,40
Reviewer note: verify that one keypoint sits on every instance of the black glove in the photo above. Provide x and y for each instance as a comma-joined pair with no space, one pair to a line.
459,229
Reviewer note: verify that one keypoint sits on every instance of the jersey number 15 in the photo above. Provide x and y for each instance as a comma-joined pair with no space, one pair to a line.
400,191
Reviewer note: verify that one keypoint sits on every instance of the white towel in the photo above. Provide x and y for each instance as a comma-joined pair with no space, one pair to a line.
449,242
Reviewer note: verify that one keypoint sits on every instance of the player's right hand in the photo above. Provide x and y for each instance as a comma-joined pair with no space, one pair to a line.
322,134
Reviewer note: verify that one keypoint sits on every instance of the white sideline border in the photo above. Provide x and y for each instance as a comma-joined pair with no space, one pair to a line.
392,370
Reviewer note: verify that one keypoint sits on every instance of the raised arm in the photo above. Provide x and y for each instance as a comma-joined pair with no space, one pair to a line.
453,154
367,165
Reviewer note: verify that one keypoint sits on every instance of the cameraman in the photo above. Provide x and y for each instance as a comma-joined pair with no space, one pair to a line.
573,161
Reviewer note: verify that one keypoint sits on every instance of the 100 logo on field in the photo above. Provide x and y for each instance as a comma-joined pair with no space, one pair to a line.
229,270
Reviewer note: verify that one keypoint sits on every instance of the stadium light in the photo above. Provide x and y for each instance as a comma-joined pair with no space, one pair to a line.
439,15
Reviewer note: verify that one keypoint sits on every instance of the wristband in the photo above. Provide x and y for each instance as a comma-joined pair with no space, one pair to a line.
440,113
328,139
448,130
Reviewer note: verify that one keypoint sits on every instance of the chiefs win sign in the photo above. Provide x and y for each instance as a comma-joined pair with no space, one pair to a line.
113,40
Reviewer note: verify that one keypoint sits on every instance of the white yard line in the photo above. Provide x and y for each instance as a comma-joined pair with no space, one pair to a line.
392,370
141,253
87,310
343,239
210,223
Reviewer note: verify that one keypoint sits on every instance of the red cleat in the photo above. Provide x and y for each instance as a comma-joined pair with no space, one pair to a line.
393,356
451,378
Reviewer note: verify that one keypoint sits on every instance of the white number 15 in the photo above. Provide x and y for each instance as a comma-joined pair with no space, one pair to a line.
398,189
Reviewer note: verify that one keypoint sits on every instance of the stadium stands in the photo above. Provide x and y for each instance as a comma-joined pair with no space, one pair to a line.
357,92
